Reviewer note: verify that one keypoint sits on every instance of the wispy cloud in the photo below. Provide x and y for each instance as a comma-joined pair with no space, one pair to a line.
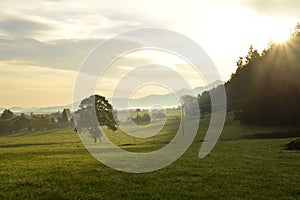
58,54
23,28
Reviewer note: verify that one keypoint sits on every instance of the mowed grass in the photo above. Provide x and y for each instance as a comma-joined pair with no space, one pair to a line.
53,164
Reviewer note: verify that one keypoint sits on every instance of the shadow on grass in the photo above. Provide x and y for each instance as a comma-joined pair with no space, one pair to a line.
28,145
46,153
36,133
273,135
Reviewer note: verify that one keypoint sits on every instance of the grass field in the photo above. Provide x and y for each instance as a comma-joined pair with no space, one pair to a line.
53,164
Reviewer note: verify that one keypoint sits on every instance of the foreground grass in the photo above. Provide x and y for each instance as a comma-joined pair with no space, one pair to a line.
55,165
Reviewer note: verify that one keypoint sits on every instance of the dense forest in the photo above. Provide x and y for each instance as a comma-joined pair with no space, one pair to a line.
265,89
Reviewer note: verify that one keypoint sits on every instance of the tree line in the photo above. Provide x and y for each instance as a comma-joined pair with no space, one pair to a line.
11,122
265,88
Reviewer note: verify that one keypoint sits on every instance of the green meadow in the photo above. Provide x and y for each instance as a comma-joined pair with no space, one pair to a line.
54,164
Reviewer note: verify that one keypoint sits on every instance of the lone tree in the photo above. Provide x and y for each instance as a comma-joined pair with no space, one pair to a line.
190,106
98,106
64,116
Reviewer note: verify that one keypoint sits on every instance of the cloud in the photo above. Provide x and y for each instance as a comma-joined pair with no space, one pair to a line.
61,19
23,28
63,54
287,8
58,54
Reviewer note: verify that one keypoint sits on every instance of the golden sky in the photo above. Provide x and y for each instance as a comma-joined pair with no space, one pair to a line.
44,43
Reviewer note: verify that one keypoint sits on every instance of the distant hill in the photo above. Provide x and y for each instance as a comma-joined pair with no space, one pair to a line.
38,110
166,100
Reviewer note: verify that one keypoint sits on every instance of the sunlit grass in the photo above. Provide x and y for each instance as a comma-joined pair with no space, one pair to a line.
55,165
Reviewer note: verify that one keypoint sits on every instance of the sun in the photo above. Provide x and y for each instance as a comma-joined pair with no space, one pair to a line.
280,36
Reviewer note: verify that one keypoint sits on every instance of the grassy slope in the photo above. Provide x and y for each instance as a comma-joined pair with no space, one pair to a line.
55,165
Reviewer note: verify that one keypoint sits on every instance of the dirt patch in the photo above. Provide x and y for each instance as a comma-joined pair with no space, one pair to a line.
273,135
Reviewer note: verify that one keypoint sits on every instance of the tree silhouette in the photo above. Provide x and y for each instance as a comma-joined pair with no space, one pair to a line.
64,117
190,106
93,112
40,122
204,103
7,114
137,111
5,123
265,89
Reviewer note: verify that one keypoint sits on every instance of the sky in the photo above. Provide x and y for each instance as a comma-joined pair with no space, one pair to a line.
44,43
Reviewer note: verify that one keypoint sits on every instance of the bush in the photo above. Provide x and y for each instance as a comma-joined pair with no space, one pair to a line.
142,120
293,145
